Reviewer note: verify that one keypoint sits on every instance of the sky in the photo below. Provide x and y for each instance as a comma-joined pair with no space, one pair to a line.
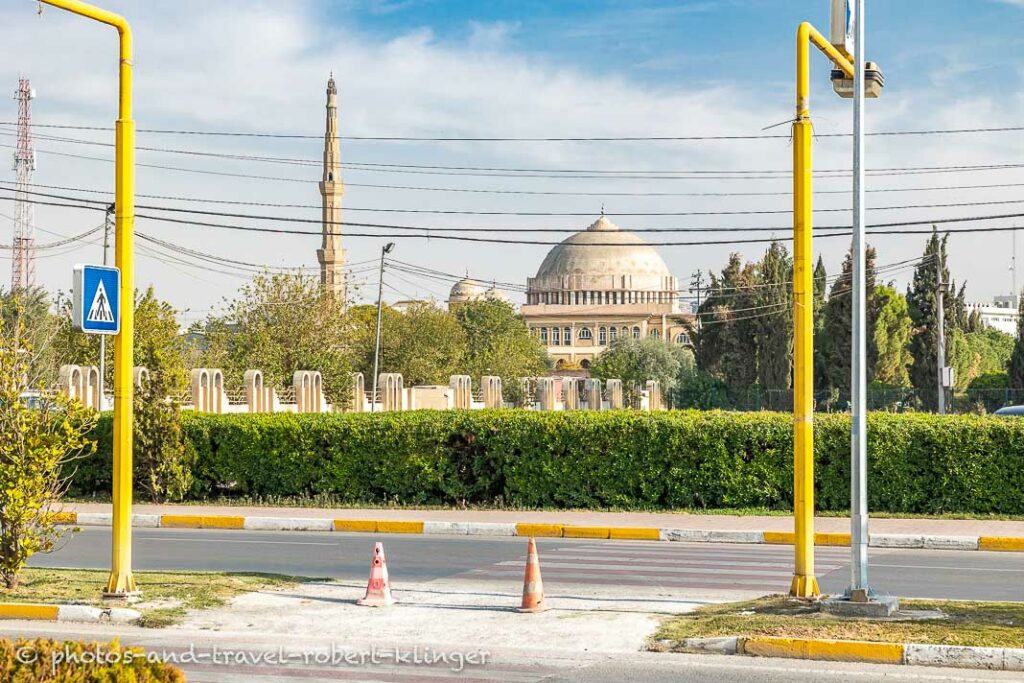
504,68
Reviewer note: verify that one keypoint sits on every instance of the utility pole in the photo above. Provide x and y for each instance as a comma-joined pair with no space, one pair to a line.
940,351
696,282
103,338
385,250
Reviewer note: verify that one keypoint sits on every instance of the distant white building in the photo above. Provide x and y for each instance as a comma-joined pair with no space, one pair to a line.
1001,314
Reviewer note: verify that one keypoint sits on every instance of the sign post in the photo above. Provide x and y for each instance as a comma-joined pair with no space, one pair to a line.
96,300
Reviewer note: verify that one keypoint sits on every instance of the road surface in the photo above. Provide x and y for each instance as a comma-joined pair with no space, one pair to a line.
967,575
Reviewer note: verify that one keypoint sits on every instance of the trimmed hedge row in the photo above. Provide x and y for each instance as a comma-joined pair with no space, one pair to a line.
919,463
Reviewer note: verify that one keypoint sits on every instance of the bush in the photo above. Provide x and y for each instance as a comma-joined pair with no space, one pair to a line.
33,661
919,463
990,389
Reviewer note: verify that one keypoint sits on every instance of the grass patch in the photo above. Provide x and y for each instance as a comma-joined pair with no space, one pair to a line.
166,596
982,624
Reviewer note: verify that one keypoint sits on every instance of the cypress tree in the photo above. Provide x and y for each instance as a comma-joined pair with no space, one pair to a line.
1016,367
774,323
837,326
921,300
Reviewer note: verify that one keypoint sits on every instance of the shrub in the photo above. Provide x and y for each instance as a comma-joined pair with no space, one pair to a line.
32,661
918,463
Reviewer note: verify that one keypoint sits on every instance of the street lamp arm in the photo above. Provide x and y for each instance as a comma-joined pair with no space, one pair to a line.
124,33
806,35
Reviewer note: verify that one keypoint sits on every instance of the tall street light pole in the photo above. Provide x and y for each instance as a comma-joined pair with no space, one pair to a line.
859,589
103,338
121,582
385,250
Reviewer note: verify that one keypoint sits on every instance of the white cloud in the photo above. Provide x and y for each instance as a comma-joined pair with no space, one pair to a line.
216,66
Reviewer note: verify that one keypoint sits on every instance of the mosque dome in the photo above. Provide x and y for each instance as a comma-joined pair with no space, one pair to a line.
495,294
466,289
602,258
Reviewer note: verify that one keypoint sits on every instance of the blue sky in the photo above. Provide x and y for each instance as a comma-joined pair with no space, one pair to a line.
516,68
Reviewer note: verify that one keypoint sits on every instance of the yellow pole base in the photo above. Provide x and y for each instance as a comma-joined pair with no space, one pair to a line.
804,587
121,585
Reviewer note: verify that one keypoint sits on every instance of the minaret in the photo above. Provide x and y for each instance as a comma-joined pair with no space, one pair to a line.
331,254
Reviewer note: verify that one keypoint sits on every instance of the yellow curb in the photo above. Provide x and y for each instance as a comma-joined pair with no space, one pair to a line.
10,610
202,522
539,530
635,533
831,539
63,517
586,532
789,538
1003,543
399,527
828,650
364,525
780,537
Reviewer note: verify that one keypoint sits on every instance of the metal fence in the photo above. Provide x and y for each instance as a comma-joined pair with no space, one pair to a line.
887,399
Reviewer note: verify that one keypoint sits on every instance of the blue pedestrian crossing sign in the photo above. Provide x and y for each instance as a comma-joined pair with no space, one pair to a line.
96,300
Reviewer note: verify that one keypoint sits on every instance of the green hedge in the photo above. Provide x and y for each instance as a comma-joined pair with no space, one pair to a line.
919,463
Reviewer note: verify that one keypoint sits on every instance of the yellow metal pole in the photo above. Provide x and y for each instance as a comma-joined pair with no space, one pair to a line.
121,581
805,583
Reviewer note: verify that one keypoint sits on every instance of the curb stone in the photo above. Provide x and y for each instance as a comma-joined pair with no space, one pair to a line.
76,613
549,530
910,654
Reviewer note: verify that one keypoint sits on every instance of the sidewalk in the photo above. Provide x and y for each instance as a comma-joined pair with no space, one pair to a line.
928,527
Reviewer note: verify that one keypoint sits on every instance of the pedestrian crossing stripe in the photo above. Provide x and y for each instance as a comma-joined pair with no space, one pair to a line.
99,311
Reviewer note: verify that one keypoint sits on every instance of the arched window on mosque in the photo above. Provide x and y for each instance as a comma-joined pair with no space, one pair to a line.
636,332
556,336
614,333
567,336
602,335
585,334
683,339
655,334
330,177
544,335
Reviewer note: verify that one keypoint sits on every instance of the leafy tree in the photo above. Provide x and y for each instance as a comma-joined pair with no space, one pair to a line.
837,326
498,342
422,342
891,337
725,343
281,323
42,433
990,390
921,301
29,310
162,457
773,326
973,354
635,361
1016,366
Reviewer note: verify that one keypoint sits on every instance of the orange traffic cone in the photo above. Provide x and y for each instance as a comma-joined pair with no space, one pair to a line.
378,589
533,587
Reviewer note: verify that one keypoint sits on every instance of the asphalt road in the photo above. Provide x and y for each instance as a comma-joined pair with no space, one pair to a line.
907,573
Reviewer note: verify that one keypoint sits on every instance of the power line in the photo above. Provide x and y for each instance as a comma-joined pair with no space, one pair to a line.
499,171
430,233
665,138
534,213
432,230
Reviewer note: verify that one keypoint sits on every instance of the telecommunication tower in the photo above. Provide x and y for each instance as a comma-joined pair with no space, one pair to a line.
23,251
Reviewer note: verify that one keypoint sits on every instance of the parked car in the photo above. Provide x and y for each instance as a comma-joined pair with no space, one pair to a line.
1010,410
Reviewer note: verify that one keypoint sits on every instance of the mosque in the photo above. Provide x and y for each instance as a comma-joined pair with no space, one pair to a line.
596,286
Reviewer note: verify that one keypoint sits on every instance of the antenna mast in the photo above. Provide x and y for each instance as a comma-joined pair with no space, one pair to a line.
23,252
